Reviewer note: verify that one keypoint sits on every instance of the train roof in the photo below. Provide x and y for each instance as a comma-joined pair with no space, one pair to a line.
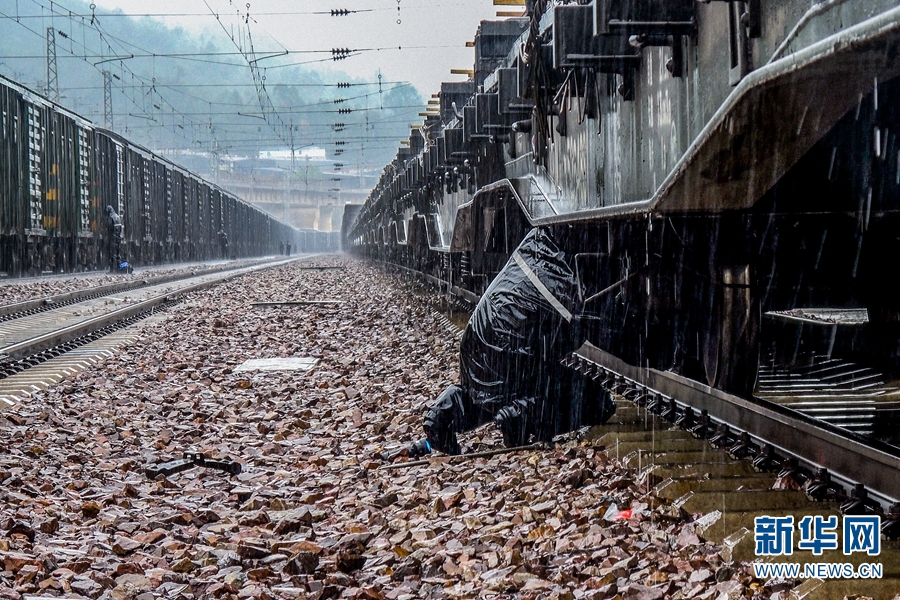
184,170
37,98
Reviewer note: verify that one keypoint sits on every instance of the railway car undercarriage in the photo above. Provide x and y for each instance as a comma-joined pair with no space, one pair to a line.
755,270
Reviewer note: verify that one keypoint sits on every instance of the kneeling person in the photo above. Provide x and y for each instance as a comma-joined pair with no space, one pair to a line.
510,354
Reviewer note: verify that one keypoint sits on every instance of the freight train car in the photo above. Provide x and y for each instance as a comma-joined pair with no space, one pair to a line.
723,178
58,173
46,182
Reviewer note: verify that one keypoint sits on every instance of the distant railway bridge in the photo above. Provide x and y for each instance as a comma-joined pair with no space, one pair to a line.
306,207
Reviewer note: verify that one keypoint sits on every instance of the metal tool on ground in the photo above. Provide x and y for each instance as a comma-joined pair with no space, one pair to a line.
468,456
322,268
296,303
189,461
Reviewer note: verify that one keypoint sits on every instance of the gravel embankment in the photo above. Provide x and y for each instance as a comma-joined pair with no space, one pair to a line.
312,515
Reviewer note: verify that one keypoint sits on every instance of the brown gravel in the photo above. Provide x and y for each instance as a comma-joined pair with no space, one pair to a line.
312,516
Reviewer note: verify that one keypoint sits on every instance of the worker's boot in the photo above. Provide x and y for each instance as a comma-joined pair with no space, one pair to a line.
444,419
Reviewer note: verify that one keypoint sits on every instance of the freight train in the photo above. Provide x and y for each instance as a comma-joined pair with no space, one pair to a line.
59,172
723,177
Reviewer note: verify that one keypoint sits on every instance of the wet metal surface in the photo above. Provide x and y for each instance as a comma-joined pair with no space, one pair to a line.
17,331
838,392
295,303
20,387
725,496
800,436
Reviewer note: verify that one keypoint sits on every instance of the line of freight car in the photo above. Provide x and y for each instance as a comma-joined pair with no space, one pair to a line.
718,184
59,172
708,169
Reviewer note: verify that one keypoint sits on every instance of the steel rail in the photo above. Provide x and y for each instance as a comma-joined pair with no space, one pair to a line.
26,348
848,457
35,305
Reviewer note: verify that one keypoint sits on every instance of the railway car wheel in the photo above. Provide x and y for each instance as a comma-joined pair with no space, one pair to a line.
731,349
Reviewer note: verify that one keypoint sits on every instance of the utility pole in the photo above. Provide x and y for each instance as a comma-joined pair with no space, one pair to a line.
287,197
107,100
292,145
52,80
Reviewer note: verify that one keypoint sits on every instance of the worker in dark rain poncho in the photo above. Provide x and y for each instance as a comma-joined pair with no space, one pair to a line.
113,239
510,371
223,243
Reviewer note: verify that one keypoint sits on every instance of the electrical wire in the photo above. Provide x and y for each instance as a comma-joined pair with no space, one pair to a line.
168,112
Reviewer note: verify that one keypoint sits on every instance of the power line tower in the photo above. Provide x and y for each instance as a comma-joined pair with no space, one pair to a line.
52,80
107,100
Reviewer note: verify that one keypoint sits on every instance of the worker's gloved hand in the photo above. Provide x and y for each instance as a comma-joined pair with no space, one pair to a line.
414,450
420,448
513,422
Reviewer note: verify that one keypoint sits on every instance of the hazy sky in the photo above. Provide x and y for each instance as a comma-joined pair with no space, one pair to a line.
431,35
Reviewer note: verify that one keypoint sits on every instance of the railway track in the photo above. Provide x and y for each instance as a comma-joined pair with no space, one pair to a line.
16,310
45,339
727,461
803,446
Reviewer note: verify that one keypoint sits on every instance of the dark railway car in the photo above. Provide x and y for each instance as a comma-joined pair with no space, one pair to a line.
203,219
178,215
237,233
14,176
156,251
192,227
216,223
136,209
724,178
58,173
174,215
47,184
67,210
351,211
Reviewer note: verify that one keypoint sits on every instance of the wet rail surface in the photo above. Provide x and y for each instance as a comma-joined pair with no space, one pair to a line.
41,302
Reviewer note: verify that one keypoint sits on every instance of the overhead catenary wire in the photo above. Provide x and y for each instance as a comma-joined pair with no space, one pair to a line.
144,92
134,15
103,36
259,77
232,85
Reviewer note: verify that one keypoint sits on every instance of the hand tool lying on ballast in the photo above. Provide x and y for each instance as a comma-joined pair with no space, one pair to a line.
191,460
